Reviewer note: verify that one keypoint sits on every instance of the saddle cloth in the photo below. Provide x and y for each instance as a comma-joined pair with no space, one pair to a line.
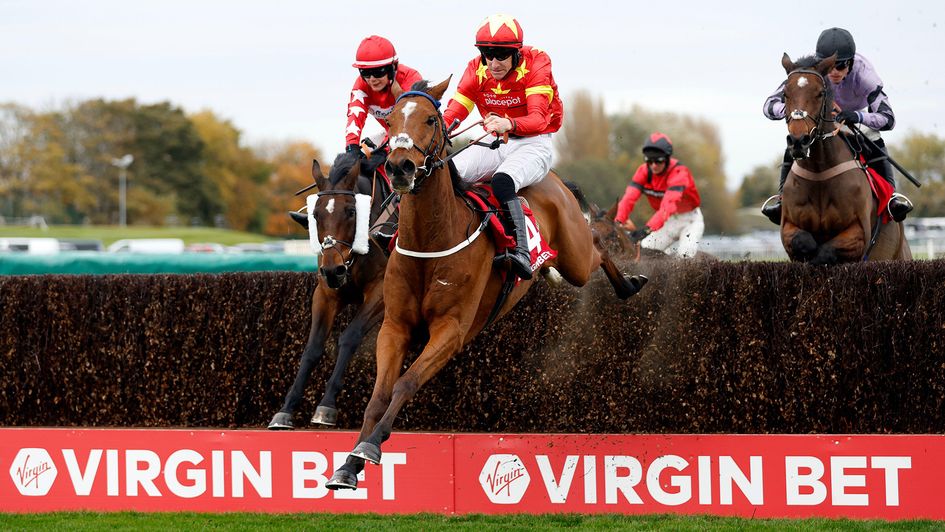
882,191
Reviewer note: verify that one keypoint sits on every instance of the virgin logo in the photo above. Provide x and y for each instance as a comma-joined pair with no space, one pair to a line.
504,479
33,472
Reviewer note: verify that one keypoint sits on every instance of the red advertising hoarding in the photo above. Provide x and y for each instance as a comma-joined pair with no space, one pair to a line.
216,471
858,476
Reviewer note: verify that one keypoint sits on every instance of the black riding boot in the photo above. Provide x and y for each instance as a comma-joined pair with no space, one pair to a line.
899,205
773,209
520,256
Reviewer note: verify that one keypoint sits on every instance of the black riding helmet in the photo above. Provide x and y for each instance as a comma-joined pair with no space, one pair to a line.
657,144
836,41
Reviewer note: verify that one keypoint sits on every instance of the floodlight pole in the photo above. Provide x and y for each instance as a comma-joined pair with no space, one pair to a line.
123,164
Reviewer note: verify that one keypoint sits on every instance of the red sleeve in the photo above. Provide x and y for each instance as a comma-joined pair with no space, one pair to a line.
357,112
630,197
676,184
463,101
539,92
407,77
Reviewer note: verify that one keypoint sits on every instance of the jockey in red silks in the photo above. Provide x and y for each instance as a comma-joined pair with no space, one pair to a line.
376,61
514,91
671,191
858,93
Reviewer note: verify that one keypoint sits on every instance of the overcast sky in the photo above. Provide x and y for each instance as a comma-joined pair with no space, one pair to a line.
281,70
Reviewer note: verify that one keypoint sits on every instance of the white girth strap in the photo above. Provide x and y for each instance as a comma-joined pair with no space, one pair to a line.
824,175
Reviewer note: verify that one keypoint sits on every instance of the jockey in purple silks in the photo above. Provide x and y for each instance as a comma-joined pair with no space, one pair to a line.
858,92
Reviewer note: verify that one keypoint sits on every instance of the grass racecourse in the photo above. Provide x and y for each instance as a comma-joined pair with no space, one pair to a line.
246,521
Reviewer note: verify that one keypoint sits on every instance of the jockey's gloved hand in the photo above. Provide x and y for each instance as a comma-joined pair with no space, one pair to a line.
849,117
352,148
640,233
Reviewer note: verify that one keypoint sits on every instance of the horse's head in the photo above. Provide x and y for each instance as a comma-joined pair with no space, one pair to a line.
417,134
610,235
808,102
340,213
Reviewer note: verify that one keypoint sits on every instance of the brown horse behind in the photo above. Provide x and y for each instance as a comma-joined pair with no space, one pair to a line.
449,293
828,211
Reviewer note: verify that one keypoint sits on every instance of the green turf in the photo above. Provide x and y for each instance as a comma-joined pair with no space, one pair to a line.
110,233
478,523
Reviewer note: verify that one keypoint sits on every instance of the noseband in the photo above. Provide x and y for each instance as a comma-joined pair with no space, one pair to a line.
816,132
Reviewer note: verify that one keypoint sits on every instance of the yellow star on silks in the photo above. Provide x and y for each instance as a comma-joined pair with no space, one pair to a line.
497,21
481,72
521,71
498,89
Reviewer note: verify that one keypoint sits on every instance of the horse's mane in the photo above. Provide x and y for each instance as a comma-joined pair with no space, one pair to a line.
421,86
343,164
808,61
579,194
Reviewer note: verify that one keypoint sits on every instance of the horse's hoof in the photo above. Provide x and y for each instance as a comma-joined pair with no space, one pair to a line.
553,277
281,421
342,480
367,451
325,415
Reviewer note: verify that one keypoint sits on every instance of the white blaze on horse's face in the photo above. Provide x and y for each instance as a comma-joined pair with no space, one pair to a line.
401,140
408,108
331,206
802,81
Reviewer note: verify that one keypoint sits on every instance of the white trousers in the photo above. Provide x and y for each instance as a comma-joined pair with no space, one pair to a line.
526,160
685,228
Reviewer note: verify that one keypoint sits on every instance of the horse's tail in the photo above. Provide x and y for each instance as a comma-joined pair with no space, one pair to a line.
578,194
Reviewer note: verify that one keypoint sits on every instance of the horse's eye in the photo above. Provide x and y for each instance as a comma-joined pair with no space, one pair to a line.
350,212
431,120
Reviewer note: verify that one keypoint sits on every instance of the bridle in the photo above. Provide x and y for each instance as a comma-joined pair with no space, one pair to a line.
330,242
816,132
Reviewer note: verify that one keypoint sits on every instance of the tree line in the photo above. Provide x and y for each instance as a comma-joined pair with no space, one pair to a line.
196,169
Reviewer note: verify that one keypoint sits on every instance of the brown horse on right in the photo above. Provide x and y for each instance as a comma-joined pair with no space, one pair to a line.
440,280
829,214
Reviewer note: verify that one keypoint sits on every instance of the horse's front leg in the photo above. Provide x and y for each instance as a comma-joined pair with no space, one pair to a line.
368,316
799,244
446,339
848,246
392,343
325,305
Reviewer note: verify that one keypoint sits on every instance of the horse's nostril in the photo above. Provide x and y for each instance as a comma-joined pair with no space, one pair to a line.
790,140
408,167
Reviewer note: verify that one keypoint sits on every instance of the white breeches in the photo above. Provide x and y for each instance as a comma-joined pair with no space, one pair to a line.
526,160
685,228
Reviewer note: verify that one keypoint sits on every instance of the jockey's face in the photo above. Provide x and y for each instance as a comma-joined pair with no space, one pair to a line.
378,84
838,72
657,164
499,68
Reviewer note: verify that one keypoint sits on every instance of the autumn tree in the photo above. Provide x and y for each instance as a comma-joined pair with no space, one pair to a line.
291,166
923,156
760,184
237,175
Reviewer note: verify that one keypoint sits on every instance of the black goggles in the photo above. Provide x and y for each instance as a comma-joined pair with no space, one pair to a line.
655,160
499,54
378,72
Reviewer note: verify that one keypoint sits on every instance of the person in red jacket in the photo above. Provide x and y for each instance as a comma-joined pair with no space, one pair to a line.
671,191
512,87
377,64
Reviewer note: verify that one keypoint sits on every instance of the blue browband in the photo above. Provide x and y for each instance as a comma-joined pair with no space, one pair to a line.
434,101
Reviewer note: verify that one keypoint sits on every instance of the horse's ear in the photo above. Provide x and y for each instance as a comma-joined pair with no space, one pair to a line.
824,66
787,63
612,212
437,91
318,176
396,90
